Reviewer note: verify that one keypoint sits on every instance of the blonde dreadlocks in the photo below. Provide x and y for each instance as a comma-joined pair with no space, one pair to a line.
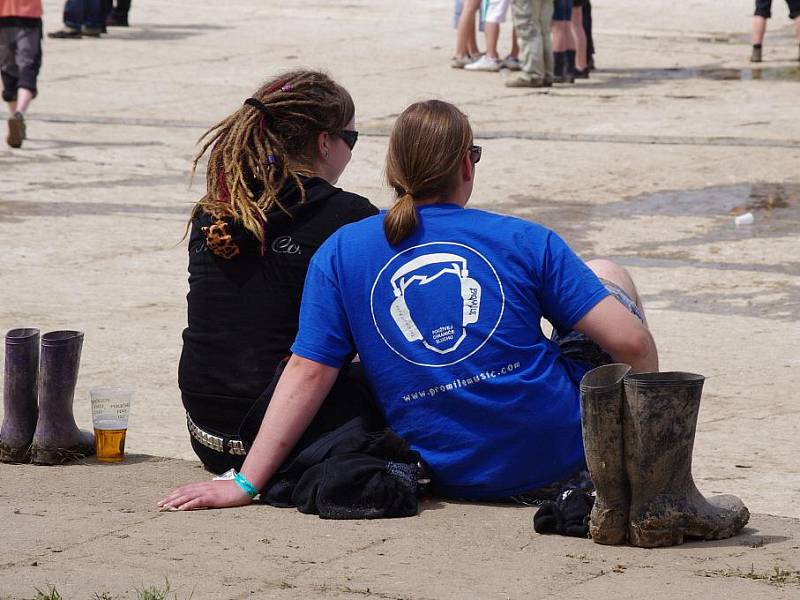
268,142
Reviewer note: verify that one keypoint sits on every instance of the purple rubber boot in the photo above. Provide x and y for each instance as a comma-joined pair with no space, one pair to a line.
57,438
19,395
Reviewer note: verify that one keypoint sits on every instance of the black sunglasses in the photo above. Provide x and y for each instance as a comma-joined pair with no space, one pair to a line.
475,154
349,137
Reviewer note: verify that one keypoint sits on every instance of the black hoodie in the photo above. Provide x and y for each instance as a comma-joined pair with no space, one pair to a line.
243,311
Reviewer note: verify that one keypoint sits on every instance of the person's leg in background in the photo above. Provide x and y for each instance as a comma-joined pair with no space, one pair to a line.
511,61
20,62
581,70
587,28
762,13
465,31
73,19
493,13
794,14
94,18
546,8
561,30
119,14
530,36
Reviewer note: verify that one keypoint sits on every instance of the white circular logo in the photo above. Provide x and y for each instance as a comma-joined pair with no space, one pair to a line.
437,304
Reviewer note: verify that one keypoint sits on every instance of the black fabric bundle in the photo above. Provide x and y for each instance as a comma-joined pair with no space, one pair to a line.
568,515
350,473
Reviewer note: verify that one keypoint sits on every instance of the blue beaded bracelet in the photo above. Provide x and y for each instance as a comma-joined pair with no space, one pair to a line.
247,487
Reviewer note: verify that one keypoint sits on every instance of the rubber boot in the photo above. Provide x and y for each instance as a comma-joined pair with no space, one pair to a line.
660,420
601,422
569,66
57,438
19,395
559,60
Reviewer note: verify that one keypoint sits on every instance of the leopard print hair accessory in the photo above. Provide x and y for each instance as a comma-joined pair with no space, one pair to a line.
219,239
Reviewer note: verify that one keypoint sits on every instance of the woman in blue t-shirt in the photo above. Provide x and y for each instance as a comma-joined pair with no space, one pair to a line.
443,305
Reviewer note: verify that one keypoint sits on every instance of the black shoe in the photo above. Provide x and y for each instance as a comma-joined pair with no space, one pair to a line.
91,31
117,20
581,73
756,55
68,33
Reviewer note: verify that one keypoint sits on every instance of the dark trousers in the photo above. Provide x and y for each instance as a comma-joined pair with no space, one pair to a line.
20,58
587,28
764,8
88,13
120,11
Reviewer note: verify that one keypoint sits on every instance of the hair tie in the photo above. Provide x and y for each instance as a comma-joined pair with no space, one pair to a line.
260,106
287,87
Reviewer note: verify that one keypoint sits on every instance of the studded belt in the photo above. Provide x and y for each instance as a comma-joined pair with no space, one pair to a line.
227,445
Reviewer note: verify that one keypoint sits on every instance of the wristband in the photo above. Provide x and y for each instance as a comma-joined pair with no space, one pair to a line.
247,487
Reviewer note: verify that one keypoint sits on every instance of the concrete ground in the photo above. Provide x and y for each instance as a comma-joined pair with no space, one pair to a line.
648,163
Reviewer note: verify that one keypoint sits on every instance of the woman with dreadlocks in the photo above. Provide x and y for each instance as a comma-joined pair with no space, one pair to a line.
271,201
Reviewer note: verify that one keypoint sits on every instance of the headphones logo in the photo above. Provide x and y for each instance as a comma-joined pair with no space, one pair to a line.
437,303
446,338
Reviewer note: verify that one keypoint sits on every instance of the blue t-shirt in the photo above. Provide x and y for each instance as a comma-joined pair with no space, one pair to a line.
447,326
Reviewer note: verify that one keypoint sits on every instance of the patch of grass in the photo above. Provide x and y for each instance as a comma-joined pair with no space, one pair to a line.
777,577
51,593
154,592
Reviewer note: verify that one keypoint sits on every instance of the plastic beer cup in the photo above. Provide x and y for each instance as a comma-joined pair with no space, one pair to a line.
110,409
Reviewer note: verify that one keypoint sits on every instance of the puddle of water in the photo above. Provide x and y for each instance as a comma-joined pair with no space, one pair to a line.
776,211
749,74
632,77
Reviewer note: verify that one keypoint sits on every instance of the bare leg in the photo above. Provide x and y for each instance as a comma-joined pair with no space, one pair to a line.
559,35
580,38
472,44
760,28
24,97
514,43
618,275
492,31
466,27
12,107
797,28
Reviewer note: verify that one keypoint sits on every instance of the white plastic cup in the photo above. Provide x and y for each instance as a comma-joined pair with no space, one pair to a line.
745,219
110,410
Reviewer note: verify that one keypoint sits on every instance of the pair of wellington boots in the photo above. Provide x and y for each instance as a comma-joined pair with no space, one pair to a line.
42,432
638,434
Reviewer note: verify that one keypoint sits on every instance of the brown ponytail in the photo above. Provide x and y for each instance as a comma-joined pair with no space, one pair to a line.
427,144
267,142
401,219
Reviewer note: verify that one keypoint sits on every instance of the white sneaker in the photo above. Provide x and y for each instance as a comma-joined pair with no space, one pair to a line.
511,63
484,63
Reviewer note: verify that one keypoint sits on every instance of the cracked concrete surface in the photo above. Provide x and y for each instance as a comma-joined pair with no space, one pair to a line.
647,163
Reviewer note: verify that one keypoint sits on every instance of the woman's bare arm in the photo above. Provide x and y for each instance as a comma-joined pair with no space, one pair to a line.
300,392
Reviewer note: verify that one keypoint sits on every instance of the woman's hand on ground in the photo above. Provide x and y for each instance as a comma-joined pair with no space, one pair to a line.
209,494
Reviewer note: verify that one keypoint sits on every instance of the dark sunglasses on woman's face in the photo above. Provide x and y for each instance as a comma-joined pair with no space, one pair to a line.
349,137
475,154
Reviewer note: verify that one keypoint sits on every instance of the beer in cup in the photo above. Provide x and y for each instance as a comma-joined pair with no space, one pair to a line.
110,408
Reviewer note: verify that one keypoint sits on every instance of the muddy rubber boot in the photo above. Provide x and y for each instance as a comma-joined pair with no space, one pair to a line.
659,421
601,422
19,395
57,438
